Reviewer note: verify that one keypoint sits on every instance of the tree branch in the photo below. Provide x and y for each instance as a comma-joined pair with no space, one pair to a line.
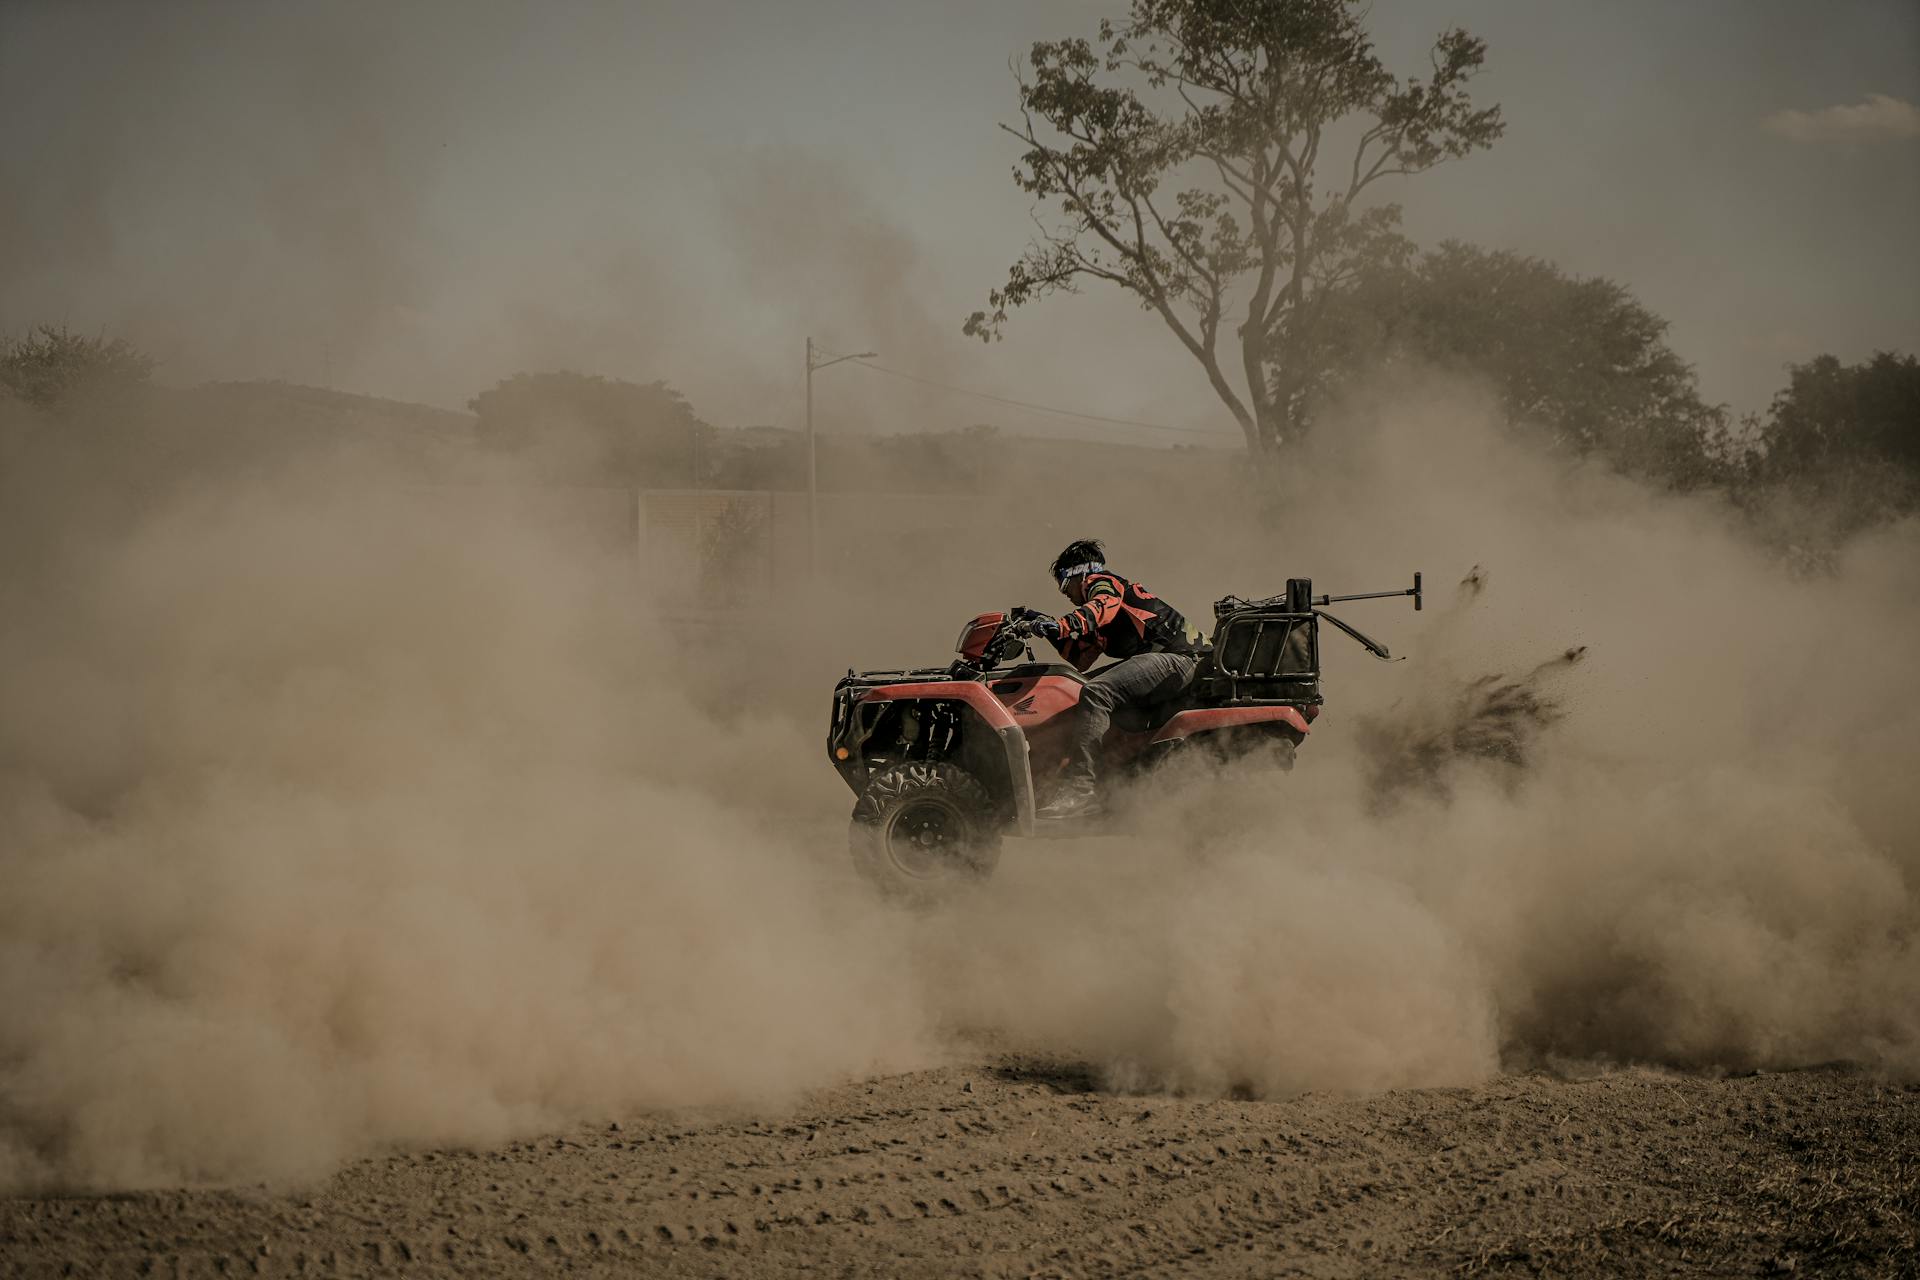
1367,139
1199,268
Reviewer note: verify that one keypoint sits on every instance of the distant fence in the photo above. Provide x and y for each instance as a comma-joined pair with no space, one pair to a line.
716,545
728,549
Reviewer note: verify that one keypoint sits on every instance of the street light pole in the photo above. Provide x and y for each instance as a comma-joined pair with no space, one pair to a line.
813,456
813,476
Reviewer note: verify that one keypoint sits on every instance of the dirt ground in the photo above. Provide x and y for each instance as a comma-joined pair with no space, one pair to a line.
1019,1167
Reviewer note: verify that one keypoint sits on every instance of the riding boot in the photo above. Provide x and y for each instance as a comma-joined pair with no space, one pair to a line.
1075,797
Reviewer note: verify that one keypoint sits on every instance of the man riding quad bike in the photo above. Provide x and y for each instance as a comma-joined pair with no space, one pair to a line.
945,761
1118,619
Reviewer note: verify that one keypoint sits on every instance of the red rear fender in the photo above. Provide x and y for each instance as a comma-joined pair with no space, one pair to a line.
1204,719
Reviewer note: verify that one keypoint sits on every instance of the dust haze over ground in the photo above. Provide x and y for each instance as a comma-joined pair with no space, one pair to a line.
339,813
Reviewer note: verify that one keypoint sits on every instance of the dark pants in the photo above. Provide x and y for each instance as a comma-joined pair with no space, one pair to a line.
1139,683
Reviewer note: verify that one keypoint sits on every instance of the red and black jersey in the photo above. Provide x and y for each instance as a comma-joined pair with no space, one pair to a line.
1119,620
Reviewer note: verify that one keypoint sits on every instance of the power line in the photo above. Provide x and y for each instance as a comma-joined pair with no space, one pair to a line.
1037,408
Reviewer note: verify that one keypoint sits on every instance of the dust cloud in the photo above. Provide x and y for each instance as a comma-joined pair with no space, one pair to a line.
338,812
1708,859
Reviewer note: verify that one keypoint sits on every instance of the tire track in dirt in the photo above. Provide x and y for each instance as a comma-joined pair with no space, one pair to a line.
1021,1168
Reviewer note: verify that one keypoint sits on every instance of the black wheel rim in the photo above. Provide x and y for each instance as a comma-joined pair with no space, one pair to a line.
927,840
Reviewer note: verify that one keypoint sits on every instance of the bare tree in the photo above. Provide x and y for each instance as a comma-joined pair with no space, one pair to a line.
1237,97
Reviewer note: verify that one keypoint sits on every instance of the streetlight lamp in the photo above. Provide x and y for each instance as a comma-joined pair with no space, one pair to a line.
813,457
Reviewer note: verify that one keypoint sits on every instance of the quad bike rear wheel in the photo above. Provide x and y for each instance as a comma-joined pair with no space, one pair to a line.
920,831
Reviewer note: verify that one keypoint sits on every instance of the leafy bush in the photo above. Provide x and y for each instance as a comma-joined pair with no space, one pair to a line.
1843,440
51,365
1580,359
588,429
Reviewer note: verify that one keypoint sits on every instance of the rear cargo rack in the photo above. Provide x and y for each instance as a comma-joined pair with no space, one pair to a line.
1266,652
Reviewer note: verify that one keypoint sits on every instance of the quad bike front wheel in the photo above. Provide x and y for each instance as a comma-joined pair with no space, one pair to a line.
920,831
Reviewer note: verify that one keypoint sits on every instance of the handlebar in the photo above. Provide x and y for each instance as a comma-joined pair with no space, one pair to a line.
1021,622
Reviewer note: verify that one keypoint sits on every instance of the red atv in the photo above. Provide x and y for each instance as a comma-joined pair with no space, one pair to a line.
946,760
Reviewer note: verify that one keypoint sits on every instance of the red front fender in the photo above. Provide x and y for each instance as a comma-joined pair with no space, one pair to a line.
996,717
975,695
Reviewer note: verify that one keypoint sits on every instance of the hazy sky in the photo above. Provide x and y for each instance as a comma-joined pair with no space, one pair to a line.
416,200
